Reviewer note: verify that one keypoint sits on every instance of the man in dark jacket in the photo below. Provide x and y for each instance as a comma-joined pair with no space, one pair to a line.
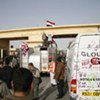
59,76
6,73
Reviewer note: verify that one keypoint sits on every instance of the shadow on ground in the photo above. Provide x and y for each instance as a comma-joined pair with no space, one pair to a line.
47,93
50,90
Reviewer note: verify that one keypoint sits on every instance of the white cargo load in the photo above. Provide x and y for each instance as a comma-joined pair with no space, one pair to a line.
44,61
40,60
35,59
84,67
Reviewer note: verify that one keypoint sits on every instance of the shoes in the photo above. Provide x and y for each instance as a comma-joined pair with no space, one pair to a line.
53,85
59,97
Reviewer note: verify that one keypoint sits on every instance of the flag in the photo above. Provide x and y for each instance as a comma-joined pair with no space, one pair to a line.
24,48
49,23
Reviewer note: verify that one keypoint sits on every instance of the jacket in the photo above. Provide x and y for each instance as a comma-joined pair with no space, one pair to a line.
59,71
52,67
6,75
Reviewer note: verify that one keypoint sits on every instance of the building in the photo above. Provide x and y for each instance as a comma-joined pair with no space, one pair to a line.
34,35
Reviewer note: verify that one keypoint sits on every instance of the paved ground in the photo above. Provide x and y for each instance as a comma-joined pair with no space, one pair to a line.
48,92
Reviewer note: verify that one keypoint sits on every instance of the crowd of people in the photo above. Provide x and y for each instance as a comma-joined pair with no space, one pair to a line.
18,83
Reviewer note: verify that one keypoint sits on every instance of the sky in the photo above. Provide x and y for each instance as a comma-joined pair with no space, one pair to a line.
34,13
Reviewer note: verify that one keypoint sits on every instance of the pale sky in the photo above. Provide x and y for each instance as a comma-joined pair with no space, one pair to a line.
31,13
34,13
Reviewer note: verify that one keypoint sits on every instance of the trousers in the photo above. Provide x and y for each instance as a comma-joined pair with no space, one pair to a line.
60,85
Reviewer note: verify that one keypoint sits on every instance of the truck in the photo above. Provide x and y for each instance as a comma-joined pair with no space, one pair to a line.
83,63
